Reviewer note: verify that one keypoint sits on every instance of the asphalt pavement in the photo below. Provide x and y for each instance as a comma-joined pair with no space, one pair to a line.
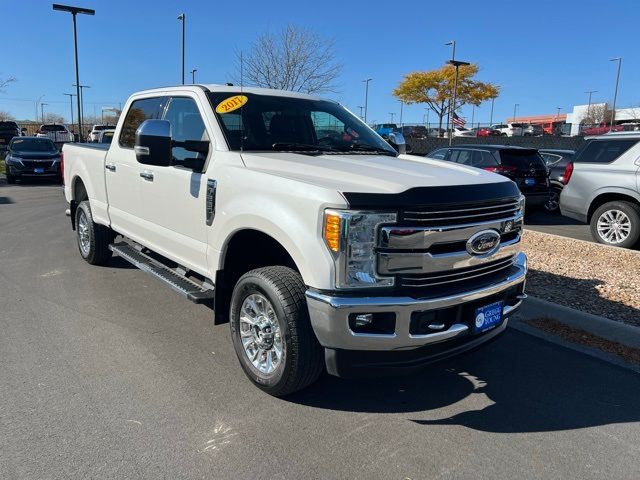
542,221
106,373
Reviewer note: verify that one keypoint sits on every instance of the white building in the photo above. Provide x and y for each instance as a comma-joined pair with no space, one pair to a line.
580,112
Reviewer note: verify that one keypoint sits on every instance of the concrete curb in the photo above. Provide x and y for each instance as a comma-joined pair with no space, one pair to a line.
602,327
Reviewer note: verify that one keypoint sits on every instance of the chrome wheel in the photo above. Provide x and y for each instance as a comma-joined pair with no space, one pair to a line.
614,226
84,238
260,333
553,203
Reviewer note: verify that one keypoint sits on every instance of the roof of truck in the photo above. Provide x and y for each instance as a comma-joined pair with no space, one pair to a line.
213,87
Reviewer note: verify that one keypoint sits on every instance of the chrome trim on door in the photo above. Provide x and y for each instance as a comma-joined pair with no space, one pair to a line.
147,176
110,166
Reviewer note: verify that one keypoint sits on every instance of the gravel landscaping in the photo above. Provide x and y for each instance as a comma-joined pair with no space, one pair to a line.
586,276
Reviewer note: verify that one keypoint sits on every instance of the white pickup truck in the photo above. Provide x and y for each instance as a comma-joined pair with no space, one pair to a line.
319,243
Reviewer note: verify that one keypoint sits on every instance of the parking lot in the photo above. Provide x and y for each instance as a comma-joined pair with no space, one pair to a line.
107,373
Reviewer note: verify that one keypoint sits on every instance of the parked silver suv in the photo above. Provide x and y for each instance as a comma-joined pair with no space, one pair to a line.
603,188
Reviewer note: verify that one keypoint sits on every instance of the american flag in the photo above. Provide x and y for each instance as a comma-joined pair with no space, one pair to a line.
458,121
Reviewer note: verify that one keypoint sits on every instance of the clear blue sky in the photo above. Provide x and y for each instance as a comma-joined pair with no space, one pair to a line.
543,54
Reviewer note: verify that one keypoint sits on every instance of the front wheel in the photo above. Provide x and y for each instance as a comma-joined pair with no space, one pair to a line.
11,179
272,333
616,224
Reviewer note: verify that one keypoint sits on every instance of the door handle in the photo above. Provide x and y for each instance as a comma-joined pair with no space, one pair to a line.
110,166
147,176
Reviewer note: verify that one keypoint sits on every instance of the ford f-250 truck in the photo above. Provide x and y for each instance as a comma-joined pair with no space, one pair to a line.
319,243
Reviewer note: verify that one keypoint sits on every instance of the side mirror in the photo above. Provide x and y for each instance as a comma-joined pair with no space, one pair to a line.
153,143
397,141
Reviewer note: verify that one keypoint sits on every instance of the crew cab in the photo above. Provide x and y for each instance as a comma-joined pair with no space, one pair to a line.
322,251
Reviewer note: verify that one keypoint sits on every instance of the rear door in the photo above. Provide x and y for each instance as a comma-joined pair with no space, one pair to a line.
525,167
122,170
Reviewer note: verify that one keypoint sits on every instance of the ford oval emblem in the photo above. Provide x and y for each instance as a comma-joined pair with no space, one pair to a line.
485,242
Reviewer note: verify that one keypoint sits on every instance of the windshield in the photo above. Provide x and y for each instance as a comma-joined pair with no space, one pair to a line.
8,126
276,123
52,128
32,145
101,127
521,158
107,137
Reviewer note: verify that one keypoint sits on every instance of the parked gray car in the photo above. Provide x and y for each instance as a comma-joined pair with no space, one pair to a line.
602,188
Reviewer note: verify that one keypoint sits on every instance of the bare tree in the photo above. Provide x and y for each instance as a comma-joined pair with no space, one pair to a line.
4,116
596,114
296,59
53,118
6,81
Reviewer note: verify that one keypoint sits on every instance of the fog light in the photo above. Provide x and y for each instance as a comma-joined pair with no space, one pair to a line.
363,320
382,323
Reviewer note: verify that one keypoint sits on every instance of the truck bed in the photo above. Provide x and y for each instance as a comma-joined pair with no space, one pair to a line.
86,161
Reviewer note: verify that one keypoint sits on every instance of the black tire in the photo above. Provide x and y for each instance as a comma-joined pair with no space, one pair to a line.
302,359
552,205
99,236
11,179
503,134
632,211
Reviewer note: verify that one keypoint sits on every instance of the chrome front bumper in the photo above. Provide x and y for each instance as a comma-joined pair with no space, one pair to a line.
330,315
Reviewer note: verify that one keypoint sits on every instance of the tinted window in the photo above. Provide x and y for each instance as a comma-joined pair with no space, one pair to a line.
32,145
107,137
8,126
141,110
52,128
438,154
461,156
274,123
605,151
186,124
521,158
483,159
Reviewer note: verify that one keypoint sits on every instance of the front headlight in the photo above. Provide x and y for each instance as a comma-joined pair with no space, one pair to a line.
12,160
521,204
351,237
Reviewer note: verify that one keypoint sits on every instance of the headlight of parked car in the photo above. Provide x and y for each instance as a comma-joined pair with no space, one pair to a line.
13,160
521,205
351,238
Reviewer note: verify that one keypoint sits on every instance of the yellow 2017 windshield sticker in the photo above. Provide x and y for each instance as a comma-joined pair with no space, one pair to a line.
232,103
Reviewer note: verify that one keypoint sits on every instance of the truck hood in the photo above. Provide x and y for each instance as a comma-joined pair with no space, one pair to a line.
368,173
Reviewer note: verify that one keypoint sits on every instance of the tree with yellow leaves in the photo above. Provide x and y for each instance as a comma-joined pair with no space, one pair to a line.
435,88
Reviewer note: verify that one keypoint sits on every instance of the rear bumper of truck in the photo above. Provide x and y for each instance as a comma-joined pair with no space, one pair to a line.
403,347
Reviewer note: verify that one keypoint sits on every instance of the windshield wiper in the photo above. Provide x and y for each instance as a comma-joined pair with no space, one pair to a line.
301,147
369,148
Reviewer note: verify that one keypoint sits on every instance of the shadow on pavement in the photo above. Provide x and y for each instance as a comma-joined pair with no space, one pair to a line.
542,217
5,201
531,385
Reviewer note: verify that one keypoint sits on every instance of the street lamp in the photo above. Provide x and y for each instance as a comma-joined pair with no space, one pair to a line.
71,95
391,114
452,108
361,107
615,94
81,109
453,57
558,114
491,118
75,11
193,75
590,92
366,96
515,107
42,110
183,18
401,108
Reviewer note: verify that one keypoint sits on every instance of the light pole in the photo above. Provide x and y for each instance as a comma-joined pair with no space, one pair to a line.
183,18
81,109
401,108
615,94
75,11
42,110
391,114
491,118
453,58
366,96
515,107
36,107
193,75
452,108
71,95
361,108
590,92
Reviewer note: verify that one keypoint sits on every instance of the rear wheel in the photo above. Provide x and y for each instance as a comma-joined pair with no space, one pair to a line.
93,239
553,203
272,333
616,224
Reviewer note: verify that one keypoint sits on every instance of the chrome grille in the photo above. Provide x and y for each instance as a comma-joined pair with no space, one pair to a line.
462,214
37,163
456,275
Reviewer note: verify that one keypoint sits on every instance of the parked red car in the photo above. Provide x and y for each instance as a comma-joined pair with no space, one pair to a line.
602,129
486,132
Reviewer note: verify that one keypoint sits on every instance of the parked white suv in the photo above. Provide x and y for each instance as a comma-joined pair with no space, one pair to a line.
603,188
94,135
321,249
56,132
509,129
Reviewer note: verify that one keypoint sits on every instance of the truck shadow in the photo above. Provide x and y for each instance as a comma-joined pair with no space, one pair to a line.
516,384
6,201
575,292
